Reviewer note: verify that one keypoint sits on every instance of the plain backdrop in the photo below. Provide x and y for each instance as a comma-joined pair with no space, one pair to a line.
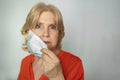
92,32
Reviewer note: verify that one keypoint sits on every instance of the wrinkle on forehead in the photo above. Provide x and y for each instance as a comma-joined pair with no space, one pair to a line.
47,17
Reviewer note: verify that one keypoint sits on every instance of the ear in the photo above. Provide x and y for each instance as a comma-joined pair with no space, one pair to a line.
63,34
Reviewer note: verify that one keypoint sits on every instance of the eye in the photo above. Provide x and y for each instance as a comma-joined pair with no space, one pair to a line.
37,26
53,27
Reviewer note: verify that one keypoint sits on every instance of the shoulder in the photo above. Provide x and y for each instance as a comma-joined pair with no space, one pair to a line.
69,56
69,59
26,67
28,59
72,66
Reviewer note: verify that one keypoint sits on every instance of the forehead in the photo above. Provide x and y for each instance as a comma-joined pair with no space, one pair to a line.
47,17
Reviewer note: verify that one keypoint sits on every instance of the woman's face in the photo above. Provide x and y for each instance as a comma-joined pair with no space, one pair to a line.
47,30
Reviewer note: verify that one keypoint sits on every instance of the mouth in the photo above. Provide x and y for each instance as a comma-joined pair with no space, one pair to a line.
46,42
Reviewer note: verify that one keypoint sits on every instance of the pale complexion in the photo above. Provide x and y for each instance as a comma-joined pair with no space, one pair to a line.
49,63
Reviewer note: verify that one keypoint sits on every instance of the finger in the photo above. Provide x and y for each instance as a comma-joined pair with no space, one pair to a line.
50,56
47,63
46,58
49,53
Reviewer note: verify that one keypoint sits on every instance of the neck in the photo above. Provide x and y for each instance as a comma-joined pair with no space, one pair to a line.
56,51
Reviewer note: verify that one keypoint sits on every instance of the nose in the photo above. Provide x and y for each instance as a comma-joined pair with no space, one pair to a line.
46,32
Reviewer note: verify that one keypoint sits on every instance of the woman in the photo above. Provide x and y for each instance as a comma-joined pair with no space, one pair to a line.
55,64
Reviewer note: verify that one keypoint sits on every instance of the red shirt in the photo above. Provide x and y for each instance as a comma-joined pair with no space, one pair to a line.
71,66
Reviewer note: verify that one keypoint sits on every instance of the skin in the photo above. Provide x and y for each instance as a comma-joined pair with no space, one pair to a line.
49,63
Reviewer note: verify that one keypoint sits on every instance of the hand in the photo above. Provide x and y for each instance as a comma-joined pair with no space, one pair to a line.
50,65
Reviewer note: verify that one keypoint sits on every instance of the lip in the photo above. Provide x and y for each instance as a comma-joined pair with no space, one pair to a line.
46,42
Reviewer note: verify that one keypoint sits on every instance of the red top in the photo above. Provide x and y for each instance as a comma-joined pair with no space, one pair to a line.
71,66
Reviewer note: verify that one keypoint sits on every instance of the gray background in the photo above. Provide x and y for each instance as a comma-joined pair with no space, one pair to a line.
92,32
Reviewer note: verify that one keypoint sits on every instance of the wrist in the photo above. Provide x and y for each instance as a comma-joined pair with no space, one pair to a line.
58,76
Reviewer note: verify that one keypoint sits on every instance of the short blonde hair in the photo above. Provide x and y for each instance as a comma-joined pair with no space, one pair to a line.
33,17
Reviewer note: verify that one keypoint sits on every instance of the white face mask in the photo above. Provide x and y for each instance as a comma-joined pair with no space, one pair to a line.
35,44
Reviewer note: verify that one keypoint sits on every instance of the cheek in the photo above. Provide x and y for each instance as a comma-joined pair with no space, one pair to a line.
55,38
37,32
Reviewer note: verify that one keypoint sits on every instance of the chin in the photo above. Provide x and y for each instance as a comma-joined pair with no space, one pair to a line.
52,48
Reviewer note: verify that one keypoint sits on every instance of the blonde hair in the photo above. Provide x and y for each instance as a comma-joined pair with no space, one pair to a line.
33,17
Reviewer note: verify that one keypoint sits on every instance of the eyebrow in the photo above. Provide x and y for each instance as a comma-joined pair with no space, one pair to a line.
52,25
39,23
